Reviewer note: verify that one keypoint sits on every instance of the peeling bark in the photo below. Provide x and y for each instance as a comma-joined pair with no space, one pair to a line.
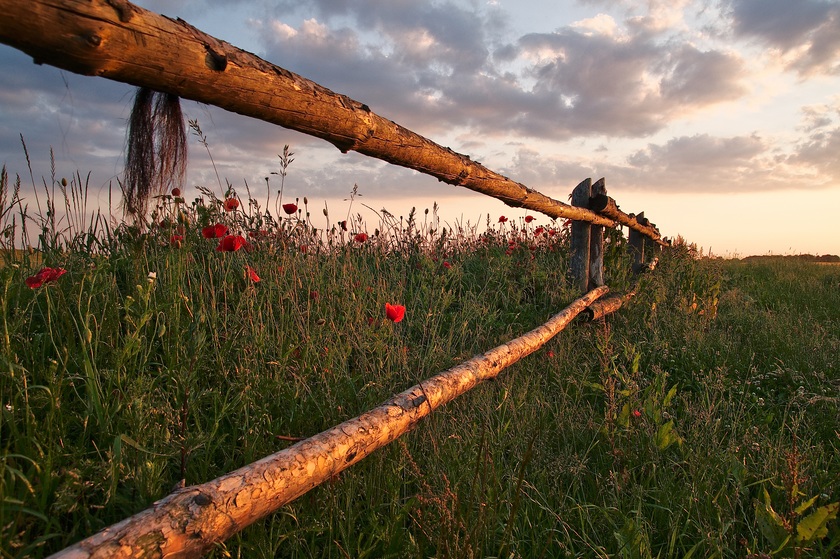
189,522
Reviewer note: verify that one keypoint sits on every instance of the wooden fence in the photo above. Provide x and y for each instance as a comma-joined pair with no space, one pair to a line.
120,41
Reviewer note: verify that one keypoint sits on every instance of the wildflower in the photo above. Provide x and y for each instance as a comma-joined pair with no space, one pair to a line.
44,275
447,265
290,208
550,354
252,274
529,218
214,231
360,237
231,204
231,243
394,313
502,219
176,240
176,192
343,225
151,277
313,294
539,231
637,413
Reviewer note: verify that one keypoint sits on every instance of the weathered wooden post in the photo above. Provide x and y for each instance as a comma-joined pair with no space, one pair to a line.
651,248
596,241
637,246
581,234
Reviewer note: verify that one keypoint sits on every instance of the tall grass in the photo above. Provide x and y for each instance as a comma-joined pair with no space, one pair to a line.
157,360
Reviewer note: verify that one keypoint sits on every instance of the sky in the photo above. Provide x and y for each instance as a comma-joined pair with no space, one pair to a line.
720,119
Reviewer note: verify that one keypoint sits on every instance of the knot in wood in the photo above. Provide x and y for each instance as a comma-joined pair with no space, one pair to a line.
216,61
202,500
94,40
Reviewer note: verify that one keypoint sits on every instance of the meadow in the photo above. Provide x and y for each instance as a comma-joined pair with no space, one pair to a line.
701,420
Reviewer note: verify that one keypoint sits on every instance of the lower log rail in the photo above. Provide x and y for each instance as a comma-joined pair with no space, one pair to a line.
613,303
606,306
192,520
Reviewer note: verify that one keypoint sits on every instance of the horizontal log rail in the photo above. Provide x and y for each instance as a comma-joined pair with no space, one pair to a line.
606,206
607,305
190,521
120,41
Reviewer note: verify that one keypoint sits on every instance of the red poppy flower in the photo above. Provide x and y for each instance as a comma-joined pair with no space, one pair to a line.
252,274
231,243
539,231
214,231
176,240
394,313
637,413
176,192
502,219
231,204
343,225
529,218
290,208
360,237
447,265
44,275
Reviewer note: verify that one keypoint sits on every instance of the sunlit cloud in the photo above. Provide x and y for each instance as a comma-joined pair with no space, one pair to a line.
806,34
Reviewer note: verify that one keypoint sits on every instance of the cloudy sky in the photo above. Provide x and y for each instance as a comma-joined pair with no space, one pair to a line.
720,119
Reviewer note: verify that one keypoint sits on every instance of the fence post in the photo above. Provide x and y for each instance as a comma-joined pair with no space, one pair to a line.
637,247
650,246
579,262
596,241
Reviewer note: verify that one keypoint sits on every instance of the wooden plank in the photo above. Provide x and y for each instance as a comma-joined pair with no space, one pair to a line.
120,41
191,521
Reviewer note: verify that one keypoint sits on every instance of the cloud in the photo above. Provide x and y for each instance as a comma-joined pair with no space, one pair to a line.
424,63
818,151
652,17
81,119
807,31
708,164
603,84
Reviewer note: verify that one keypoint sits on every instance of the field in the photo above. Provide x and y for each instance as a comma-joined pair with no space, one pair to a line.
701,420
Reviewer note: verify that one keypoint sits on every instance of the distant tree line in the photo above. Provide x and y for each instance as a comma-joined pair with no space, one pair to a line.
800,257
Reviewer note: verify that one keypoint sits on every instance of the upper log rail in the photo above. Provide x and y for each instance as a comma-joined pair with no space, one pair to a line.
117,40
606,206
190,521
